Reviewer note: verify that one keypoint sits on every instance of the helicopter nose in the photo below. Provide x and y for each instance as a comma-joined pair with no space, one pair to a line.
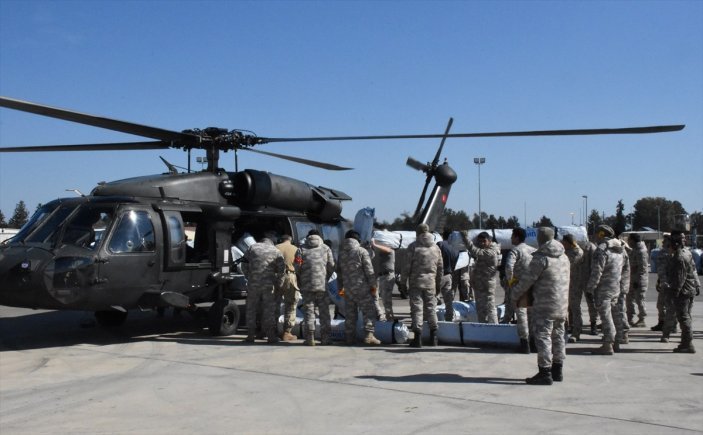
21,280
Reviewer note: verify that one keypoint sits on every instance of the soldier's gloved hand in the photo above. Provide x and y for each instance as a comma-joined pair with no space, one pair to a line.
341,292
512,281
373,291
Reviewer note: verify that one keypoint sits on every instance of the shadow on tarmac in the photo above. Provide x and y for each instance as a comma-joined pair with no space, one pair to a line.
446,378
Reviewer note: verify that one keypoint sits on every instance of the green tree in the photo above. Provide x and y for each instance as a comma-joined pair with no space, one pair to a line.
456,220
512,222
20,216
544,221
594,219
403,223
3,224
619,225
657,213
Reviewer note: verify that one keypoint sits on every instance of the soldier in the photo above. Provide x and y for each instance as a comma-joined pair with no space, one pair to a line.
610,273
264,269
639,280
449,258
548,276
516,262
314,264
422,271
584,274
662,262
384,266
575,254
289,287
356,276
484,280
681,285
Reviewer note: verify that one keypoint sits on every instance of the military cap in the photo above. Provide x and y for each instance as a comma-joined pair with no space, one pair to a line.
422,228
607,230
544,234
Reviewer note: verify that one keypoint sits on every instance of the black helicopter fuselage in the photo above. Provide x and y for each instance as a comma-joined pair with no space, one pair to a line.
126,245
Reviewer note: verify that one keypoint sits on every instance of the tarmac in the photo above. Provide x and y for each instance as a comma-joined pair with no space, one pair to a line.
61,374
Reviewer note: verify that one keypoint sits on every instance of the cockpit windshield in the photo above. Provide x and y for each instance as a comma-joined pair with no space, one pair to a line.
74,223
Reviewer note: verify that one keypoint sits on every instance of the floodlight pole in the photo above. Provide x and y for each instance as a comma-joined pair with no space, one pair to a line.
479,161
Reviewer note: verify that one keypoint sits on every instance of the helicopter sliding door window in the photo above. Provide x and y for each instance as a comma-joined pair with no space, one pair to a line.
134,233
175,240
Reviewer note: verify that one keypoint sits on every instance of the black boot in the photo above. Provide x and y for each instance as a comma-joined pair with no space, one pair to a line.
557,374
524,346
544,377
433,338
593,328
657,327
417,338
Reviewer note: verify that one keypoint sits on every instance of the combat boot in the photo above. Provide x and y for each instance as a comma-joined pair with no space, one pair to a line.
665,338
325,340
543,377
434,341
657,327
524,346
288,336
685,347
370,339
640,323
250,338
593,328
605,349
557,373
274,339
625,337
310,337
417,338
616,346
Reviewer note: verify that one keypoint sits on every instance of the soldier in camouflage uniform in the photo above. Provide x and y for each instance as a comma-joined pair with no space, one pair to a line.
516,263
264,269
422,271
662,263
314,264
356,276
485,279
548,276
584,274
384,267
289,288
680,287
575,254
610,275
639,280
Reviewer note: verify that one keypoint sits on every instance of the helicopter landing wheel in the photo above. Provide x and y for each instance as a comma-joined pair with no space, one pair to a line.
109,319
223,317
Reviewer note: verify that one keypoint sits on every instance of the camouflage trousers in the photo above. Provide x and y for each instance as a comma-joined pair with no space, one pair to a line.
261,300
355,300
422,301
461,283
661,307
592,310
486,302
287,294
610,315
622,312
635,302
322,301
448,297
549,337
385,288
575,317
679,308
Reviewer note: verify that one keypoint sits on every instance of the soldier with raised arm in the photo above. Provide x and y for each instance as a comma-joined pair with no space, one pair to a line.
485,279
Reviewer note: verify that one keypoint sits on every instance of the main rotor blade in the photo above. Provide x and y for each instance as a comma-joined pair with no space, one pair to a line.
580,132
121,146
99,121
328,166
416,164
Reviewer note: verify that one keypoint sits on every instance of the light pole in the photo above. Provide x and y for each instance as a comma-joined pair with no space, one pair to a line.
479,161
659,220
572,217
585,212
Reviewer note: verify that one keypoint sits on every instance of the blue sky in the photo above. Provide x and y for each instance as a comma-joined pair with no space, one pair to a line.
306,68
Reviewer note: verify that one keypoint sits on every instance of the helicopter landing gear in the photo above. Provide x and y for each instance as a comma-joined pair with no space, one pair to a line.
223,317
110,319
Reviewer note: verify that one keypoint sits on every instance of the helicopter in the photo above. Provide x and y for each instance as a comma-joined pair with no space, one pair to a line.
125,246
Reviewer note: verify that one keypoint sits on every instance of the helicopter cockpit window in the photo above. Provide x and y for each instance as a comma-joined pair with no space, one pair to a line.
134,233
85,227
37,220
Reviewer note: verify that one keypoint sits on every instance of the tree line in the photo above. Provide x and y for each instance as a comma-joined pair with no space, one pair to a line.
651,212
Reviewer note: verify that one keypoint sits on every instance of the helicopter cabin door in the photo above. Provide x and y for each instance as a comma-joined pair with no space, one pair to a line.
131,266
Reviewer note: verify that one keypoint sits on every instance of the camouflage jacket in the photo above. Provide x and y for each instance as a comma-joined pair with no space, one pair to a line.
263,266
354,268
288,250
548,275
575,255
584,272
517,261
639,265
314,264
662,266
423,264
610,269
682,277
486,264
